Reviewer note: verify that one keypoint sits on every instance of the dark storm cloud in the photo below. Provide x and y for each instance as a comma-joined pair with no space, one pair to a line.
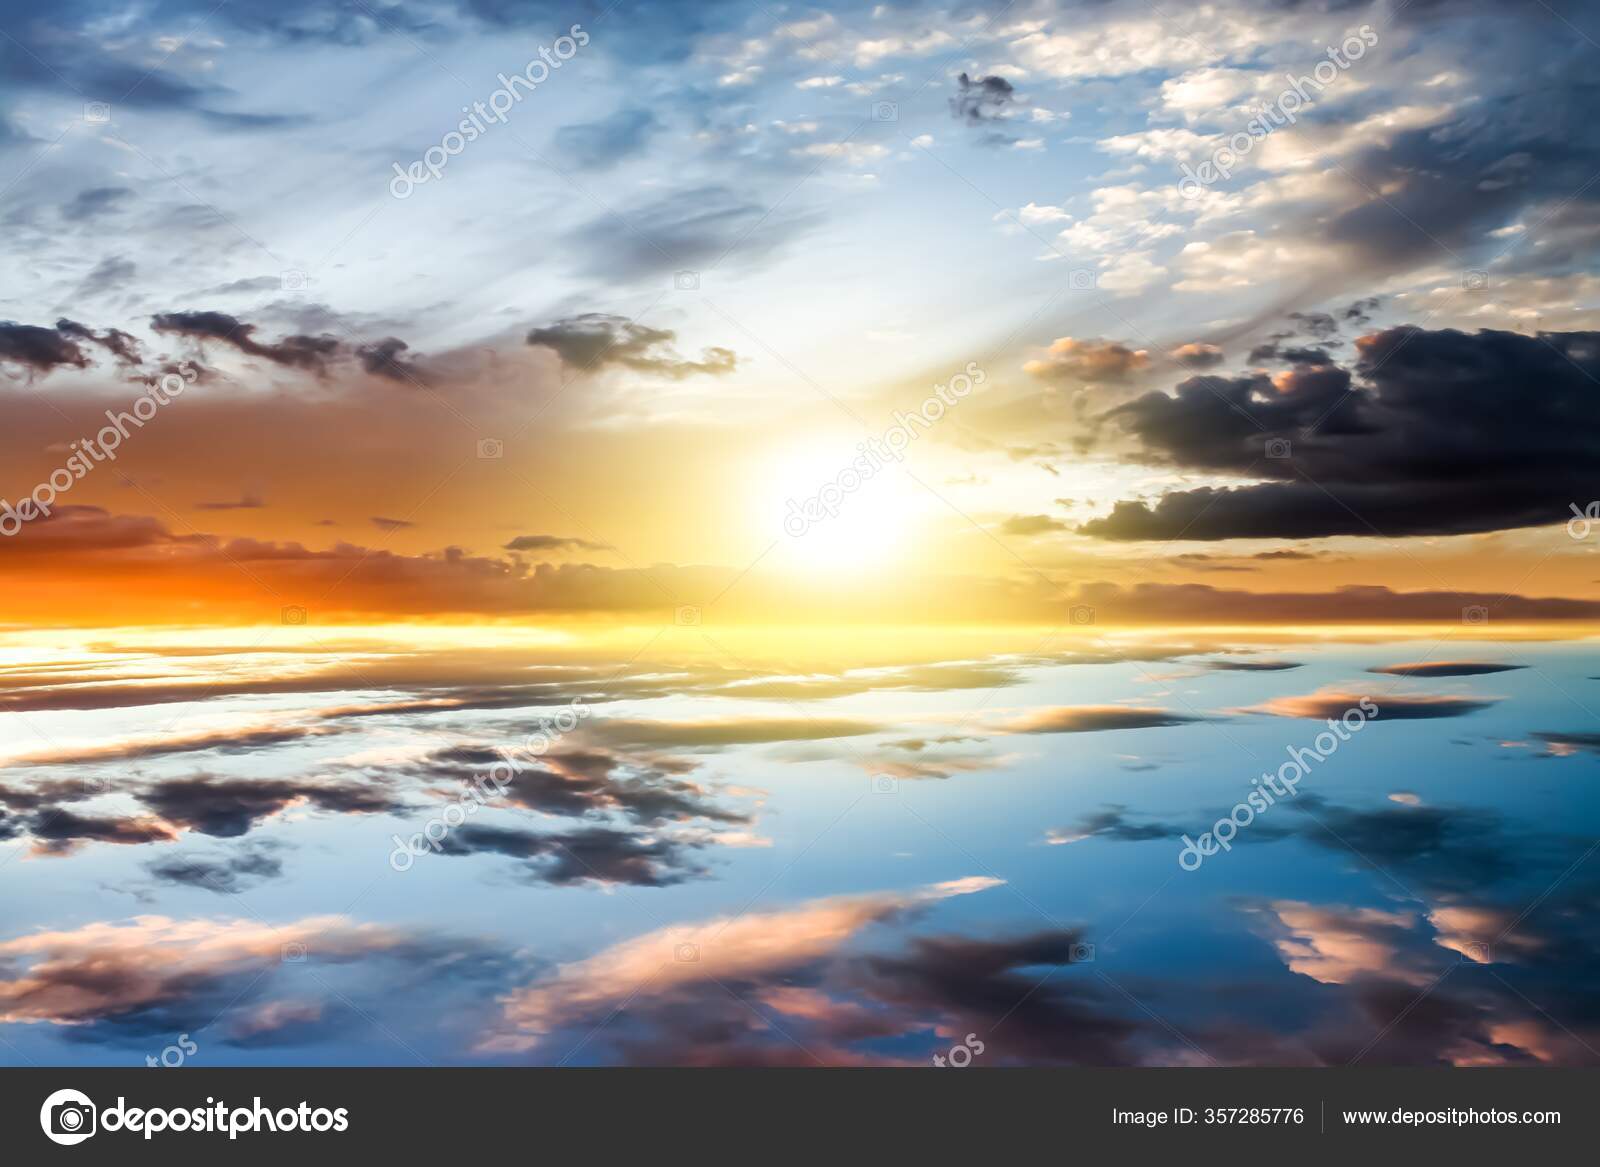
386,358
57,831
39,349
226,874
1112,822
602,144
228,807
1291,354
1446,185
123,347
595,340
588,855
982,99
582,783
1441,848
1444,848
998,985
1444,433
311,353
1251,666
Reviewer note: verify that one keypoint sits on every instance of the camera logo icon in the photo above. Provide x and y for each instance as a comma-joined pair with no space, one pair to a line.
491,448
688,616
294,953
96,113
294,280
886,111
686,953
1081,614
68,1117
1081,954
294,614
1083,279
686,281
1475,281
884,784
1279,448
1475,614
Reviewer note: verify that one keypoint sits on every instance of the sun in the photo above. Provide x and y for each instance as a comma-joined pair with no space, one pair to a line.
838,511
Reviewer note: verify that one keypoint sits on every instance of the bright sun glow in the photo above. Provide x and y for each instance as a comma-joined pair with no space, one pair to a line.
834,518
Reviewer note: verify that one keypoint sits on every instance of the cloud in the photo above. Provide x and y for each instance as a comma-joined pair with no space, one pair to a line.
1336,945
982,99
226,874
39,349
386,358
147,975
59,832
595,341
1112,822
229,807
554,543
1094,718
310,353
231,740
600,145
1565,744
1251,666
1334,701
1025,525
694,228
1088,360
246,502
182,576
1198,355
600,855
651,969
716,733
587,782
1446,668
384,524
1416,442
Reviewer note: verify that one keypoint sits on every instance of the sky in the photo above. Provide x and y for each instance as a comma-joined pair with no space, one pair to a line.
658,304
935,458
